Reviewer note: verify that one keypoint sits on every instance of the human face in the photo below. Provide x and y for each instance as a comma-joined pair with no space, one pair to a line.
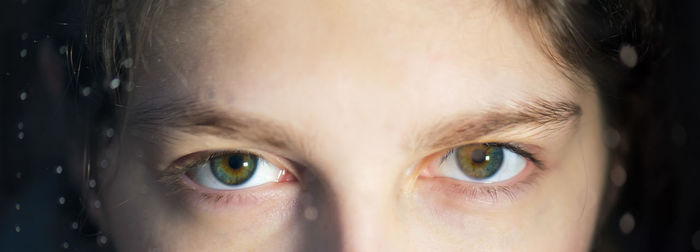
360,103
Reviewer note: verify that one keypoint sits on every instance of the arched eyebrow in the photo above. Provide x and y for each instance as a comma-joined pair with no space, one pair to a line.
549,116
156,119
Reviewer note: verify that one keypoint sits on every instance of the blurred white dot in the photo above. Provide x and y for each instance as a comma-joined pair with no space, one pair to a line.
23,96
23,53
17,229
92,183
109,132
114,84
310,213
97,204
18,175
74,225
618,175
103,163
695,239
626,223
65,245
61,200
62,50
86,91
20,125
17,206
102,240
24,36
59,169
128,63
24,2
628,55
20,135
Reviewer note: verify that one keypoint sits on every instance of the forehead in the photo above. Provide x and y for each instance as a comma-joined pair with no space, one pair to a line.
396,43
322,57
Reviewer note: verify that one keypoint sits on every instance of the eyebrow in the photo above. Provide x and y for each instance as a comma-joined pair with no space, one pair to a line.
532,115
186,115
156,119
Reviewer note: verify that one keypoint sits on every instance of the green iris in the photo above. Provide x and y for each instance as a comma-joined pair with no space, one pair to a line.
479,161
234,169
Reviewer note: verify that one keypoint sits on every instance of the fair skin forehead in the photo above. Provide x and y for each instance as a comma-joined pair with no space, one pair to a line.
350,98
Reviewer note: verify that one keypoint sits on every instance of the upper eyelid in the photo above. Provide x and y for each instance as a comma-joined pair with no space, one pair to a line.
520,150
514,147
189,161
183,164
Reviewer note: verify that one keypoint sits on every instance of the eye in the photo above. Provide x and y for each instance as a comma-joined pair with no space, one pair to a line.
482,163
235,170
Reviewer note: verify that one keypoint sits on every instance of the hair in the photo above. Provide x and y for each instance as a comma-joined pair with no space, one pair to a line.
587,39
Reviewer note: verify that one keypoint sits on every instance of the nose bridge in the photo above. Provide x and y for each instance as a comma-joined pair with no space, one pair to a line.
357,175
357,212
366,219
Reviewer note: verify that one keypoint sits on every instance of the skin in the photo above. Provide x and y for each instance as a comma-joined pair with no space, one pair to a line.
341,94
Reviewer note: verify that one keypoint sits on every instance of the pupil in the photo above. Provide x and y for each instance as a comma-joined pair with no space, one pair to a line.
235,162
478,156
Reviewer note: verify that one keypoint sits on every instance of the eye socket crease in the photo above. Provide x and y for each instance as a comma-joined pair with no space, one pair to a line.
156,119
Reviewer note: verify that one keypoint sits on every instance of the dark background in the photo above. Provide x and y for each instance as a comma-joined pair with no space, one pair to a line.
657,208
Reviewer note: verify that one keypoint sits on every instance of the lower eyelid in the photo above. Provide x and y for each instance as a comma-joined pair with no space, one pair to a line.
208,198
488,194
485,194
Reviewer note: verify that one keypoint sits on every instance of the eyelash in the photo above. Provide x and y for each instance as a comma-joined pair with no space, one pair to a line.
517,148
176,180
492,193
